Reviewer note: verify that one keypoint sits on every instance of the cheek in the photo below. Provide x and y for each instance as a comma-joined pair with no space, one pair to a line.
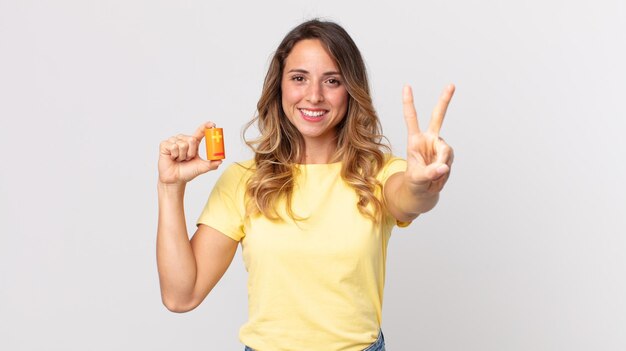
290,95
340,99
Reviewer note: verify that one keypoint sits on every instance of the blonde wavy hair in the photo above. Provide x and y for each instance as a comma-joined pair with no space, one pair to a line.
280,145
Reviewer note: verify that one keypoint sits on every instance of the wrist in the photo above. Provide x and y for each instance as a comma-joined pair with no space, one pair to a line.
422,200
419,191
171,188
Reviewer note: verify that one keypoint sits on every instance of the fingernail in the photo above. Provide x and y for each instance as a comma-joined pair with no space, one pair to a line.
442,169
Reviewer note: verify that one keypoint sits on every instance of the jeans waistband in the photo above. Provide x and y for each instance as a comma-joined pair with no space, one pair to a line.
378,345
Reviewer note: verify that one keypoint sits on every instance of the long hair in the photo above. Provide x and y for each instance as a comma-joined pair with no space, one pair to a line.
280,145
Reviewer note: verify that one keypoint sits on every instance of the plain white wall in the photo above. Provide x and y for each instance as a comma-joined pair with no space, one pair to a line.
526,250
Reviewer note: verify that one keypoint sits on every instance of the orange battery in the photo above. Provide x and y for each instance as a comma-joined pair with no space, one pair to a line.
214,139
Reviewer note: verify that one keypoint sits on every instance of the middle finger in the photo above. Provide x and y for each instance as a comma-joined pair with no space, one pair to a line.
439,112
183,148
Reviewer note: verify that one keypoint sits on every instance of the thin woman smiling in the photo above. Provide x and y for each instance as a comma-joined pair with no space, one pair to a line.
313,211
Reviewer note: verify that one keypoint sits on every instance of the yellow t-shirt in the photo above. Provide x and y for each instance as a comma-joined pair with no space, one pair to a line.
314,284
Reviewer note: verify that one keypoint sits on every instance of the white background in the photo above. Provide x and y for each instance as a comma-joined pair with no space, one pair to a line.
526,250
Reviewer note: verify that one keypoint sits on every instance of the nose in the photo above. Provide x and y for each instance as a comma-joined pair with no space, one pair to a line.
315,94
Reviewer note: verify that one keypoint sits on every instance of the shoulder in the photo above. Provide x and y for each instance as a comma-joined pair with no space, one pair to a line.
392,164
237,172
241,167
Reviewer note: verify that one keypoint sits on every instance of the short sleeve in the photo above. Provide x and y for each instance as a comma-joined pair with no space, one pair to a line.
225,208
392,166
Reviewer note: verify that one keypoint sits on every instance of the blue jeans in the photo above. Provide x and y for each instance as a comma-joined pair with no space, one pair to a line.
378,345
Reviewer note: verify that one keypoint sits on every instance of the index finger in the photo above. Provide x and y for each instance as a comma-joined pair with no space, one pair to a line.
410,115
199,133
440,110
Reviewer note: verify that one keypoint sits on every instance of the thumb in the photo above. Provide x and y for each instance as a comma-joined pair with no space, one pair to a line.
436,170
208,165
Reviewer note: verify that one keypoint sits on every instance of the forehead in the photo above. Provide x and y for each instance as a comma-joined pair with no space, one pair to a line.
310,54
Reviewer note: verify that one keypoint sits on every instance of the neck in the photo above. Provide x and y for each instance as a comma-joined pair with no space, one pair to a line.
319,152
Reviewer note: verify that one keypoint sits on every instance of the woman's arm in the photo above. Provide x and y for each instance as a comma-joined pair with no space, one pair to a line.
429,160
404,205
188,270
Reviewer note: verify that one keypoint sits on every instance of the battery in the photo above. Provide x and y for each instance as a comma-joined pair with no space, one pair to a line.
214,139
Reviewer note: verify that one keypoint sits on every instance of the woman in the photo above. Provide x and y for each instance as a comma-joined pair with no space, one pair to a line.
313,211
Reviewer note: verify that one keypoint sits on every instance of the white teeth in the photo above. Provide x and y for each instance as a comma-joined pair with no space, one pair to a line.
313,113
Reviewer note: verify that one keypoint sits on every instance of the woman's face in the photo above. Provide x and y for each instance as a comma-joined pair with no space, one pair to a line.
314,97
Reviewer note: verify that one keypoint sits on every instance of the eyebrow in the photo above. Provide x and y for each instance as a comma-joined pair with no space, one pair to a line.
300,70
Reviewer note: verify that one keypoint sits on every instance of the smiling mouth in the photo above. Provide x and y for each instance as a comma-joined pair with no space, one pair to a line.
312,115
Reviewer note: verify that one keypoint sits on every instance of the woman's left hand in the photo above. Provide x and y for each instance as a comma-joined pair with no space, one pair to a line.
429,158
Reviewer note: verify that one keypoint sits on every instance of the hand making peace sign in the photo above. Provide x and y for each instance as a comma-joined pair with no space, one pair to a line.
429,158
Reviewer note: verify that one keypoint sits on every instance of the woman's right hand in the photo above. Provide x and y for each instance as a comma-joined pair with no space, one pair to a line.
179,161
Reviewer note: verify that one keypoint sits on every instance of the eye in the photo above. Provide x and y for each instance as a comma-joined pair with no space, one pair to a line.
297,78
333,81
